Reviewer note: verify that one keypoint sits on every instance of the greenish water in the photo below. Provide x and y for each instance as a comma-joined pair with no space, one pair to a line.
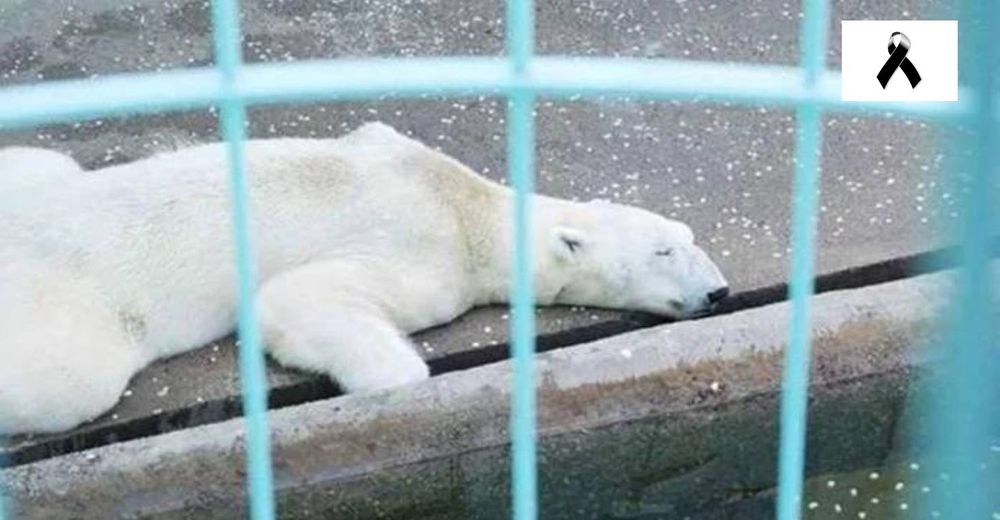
891,492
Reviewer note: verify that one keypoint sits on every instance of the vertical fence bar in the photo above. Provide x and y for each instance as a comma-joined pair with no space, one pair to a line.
795,380
963,423
523,421
225,19
520,158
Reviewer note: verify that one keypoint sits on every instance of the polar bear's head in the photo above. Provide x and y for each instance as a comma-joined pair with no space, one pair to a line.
624,257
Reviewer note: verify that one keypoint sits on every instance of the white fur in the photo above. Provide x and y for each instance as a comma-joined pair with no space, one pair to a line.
25,168
359,240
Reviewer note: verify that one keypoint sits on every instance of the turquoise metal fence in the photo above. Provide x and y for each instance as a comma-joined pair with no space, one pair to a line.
809,88
965,426
253,377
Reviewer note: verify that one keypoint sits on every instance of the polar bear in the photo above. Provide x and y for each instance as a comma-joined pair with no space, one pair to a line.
359,241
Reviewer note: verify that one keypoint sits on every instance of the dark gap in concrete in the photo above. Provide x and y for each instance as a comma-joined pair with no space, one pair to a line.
84,438
217,410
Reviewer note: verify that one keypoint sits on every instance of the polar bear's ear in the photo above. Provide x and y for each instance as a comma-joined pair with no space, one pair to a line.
567,243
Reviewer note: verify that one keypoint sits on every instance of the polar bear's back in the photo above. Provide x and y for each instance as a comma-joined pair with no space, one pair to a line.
157,233
354,181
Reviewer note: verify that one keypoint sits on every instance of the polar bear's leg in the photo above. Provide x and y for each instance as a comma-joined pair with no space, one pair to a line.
319,318
64,355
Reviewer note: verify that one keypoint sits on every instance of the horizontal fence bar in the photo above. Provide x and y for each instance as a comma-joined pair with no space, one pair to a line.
560,77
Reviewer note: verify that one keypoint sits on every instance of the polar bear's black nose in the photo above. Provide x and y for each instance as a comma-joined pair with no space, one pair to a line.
718,294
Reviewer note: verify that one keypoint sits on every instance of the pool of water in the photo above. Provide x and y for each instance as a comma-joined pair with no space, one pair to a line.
895,490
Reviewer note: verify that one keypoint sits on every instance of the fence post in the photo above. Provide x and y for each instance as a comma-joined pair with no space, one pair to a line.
795,380
964,401
253,375
520,158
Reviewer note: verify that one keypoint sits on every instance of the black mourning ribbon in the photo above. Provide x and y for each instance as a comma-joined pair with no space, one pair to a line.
898,60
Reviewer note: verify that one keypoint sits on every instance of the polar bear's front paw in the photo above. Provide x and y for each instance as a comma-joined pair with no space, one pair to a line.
398,372
313,318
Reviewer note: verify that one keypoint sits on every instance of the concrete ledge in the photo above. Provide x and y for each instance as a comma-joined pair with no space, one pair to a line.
678,419
202,386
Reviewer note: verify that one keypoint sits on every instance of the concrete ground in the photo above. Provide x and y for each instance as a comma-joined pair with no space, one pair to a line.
725,170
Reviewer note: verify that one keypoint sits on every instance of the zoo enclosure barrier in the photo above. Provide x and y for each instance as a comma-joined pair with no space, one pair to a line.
521,76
